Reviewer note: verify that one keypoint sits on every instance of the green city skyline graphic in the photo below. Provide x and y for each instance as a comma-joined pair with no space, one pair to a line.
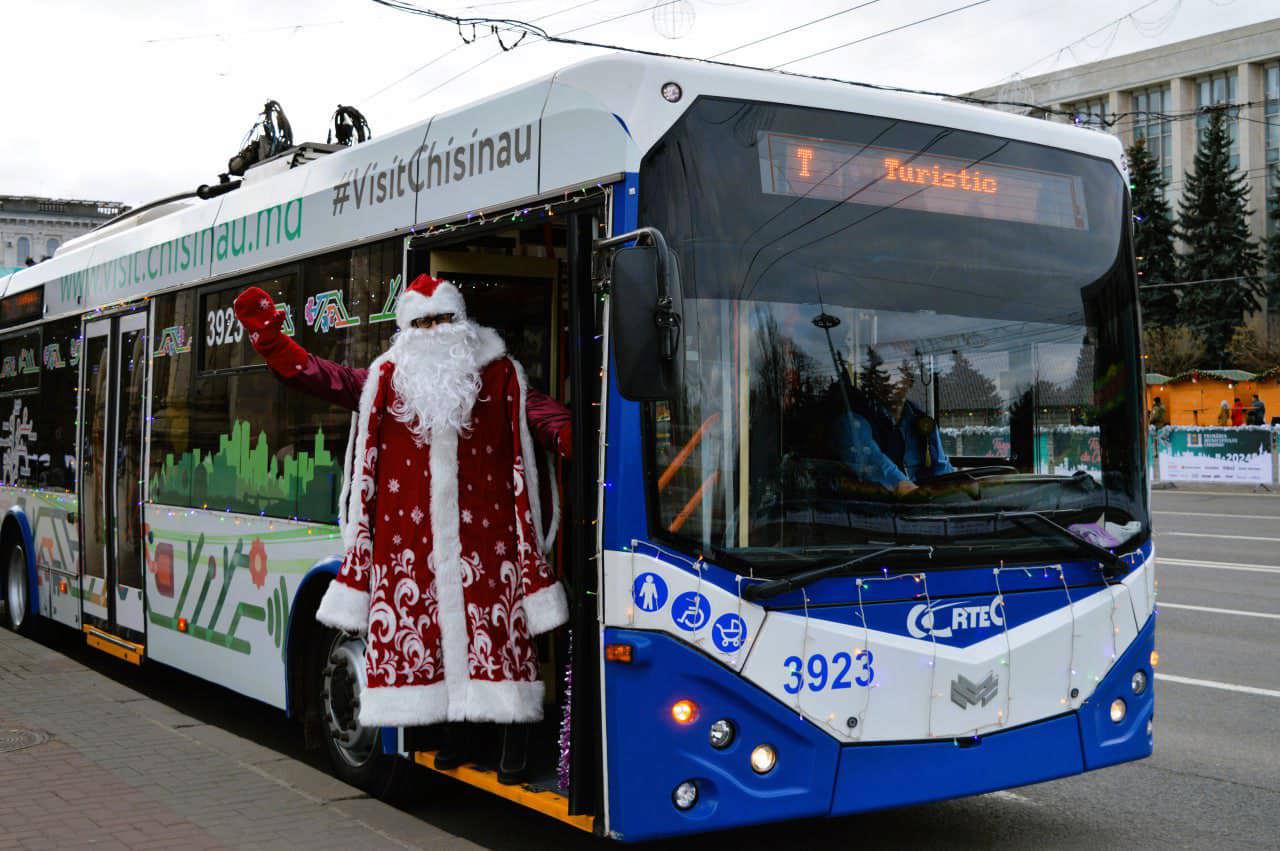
243,475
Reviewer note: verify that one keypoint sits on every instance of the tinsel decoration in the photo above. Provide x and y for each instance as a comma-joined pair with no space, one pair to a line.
566,721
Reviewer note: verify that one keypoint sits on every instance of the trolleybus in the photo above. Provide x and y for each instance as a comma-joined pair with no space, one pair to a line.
856,514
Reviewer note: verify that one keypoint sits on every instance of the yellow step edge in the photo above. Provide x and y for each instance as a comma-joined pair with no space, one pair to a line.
116,646
548,803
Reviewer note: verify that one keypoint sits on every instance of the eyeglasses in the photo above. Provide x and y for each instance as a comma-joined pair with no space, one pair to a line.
429,321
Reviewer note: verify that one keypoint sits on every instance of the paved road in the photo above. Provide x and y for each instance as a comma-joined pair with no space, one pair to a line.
1214,780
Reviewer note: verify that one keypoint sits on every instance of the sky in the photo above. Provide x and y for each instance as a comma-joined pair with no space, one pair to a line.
130,100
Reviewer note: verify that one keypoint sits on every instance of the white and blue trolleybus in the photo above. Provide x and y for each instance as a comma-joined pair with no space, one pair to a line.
856,513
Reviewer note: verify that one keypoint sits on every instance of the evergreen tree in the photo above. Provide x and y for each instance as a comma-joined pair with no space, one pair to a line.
965,391
875,379
1273,241
1152,237
1213,225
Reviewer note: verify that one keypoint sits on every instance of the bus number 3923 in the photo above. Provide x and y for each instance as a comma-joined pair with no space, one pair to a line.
834,674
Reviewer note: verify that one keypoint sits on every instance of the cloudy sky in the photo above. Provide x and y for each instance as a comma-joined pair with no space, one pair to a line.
128,100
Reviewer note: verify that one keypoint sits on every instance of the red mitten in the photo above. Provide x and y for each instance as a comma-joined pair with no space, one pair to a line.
257,313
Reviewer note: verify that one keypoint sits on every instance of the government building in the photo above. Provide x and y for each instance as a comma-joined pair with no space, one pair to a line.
1155,95
32,229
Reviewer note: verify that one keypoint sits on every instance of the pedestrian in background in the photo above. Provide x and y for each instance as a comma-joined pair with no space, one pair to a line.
1237,413
1257,412
1159,417
1224,414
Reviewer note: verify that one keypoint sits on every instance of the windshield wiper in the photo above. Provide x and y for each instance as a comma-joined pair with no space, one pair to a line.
1113,566
774,587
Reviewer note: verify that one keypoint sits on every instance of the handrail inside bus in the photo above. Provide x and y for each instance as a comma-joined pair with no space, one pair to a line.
678,523
685,451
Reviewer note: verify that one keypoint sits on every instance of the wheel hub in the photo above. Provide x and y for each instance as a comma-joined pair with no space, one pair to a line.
343,684
17,592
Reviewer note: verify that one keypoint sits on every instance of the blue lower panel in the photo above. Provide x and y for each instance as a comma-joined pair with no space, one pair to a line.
650,754
873,777
1106,742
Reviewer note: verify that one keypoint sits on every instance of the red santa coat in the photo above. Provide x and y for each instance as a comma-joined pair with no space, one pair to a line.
444,571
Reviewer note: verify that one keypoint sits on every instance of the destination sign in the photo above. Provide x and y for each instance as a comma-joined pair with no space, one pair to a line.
824,169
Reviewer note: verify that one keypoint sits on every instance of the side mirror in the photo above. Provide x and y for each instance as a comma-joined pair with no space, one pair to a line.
645,320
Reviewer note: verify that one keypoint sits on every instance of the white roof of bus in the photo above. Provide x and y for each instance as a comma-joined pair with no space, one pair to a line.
593,120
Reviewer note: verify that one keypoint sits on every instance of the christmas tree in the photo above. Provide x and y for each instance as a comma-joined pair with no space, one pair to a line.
1152,238
1220,262
875,379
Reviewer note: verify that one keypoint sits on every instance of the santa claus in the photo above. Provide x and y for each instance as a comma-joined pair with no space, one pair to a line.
444,571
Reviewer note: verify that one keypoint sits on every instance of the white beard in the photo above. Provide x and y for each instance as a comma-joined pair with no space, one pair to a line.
436,378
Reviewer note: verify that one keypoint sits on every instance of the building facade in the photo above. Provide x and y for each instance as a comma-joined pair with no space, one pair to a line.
32,229
1155,95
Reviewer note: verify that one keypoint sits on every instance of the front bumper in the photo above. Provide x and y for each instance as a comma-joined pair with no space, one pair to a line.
649,754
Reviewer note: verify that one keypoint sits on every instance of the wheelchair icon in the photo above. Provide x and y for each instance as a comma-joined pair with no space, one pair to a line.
691,611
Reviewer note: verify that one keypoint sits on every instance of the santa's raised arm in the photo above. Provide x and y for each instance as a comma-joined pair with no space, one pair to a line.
340,385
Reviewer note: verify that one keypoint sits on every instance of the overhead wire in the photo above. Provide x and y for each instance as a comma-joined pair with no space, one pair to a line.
900,28
796,28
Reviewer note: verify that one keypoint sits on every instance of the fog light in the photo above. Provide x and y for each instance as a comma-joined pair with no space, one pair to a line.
721,733
685,795
671,92
684,711
1138,682
1155,658
763,759
1118,709
1150,727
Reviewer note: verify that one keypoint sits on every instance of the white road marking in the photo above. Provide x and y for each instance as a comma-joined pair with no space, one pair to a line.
1207,514
1212,610
1216,535
1178,492
1216,565
1006,795
1189,681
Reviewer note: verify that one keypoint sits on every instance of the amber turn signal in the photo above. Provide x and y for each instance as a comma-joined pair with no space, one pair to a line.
684,711
617,653
182,624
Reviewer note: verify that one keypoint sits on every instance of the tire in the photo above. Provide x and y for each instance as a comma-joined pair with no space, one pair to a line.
17,593
355,753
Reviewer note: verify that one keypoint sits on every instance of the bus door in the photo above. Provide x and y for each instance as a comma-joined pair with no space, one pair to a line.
113,392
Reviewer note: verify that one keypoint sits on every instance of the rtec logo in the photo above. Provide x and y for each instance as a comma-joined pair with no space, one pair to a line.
941,620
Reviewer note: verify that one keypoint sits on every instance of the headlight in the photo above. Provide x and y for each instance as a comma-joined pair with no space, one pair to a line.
763,759
1139,681
721,734
685,795
1118,710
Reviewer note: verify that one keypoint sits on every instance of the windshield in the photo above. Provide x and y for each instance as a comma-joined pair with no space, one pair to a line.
893,333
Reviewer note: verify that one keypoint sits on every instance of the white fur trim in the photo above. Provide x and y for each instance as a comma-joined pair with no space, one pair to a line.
413,305
352,496
446,559
530,460
491,346
508,702
403,706
344,608
546,609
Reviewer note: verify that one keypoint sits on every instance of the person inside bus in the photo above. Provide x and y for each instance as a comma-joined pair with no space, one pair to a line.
894,450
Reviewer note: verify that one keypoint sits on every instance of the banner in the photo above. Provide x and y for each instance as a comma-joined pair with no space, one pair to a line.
1227,455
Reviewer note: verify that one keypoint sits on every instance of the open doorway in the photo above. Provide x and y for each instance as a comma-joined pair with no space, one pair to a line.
530,281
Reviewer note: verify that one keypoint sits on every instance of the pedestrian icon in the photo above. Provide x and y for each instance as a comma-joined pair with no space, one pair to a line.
649,592
691,611
729,633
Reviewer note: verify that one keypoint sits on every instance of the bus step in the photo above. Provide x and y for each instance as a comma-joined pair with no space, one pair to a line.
114,644
544,801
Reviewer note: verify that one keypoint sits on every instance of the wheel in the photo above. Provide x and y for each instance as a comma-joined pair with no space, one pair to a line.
16,593
355,752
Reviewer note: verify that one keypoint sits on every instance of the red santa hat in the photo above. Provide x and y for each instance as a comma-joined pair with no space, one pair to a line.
428,296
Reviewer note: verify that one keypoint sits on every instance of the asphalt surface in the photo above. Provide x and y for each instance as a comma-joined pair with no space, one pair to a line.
1214,780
